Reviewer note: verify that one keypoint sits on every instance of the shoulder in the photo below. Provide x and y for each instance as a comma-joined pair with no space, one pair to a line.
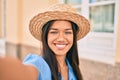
40,64
35,60
32,57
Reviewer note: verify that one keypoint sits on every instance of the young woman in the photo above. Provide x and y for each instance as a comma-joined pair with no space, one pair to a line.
58,29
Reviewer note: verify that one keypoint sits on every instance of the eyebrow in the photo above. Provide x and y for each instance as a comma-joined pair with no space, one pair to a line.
68,29
53,29
57,29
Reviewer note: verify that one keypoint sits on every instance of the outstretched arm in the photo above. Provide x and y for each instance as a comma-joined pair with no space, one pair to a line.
13,69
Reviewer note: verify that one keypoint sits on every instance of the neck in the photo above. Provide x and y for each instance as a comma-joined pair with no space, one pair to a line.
61,61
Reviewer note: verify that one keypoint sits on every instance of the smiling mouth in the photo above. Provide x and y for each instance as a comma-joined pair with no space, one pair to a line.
60,46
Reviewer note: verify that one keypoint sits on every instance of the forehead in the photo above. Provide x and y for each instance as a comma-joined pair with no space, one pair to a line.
61,24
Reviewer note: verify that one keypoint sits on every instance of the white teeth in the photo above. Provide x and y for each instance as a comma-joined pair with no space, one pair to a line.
60,46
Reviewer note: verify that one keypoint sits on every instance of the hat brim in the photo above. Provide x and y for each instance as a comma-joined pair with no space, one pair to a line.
39,20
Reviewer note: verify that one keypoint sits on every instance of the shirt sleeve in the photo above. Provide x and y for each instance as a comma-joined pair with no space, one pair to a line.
39,63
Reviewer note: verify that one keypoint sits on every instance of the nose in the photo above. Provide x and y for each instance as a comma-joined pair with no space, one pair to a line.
61,37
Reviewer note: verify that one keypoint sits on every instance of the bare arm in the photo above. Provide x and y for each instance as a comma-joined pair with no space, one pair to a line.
13,69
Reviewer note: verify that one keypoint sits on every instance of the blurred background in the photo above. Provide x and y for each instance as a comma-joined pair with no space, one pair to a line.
99,51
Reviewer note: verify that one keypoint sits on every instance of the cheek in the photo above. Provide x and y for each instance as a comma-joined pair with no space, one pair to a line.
50,39
70,39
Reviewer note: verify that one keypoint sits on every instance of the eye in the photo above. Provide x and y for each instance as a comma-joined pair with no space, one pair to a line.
53,32
68,32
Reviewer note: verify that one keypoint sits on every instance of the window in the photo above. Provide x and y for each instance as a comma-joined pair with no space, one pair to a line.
73,2
99,45
102,15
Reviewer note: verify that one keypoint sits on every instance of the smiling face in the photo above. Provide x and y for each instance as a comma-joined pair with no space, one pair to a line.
60,37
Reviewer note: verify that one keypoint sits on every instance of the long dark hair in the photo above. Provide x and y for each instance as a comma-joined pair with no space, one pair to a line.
50,58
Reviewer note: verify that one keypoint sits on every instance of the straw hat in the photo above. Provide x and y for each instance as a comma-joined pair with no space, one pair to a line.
59,12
